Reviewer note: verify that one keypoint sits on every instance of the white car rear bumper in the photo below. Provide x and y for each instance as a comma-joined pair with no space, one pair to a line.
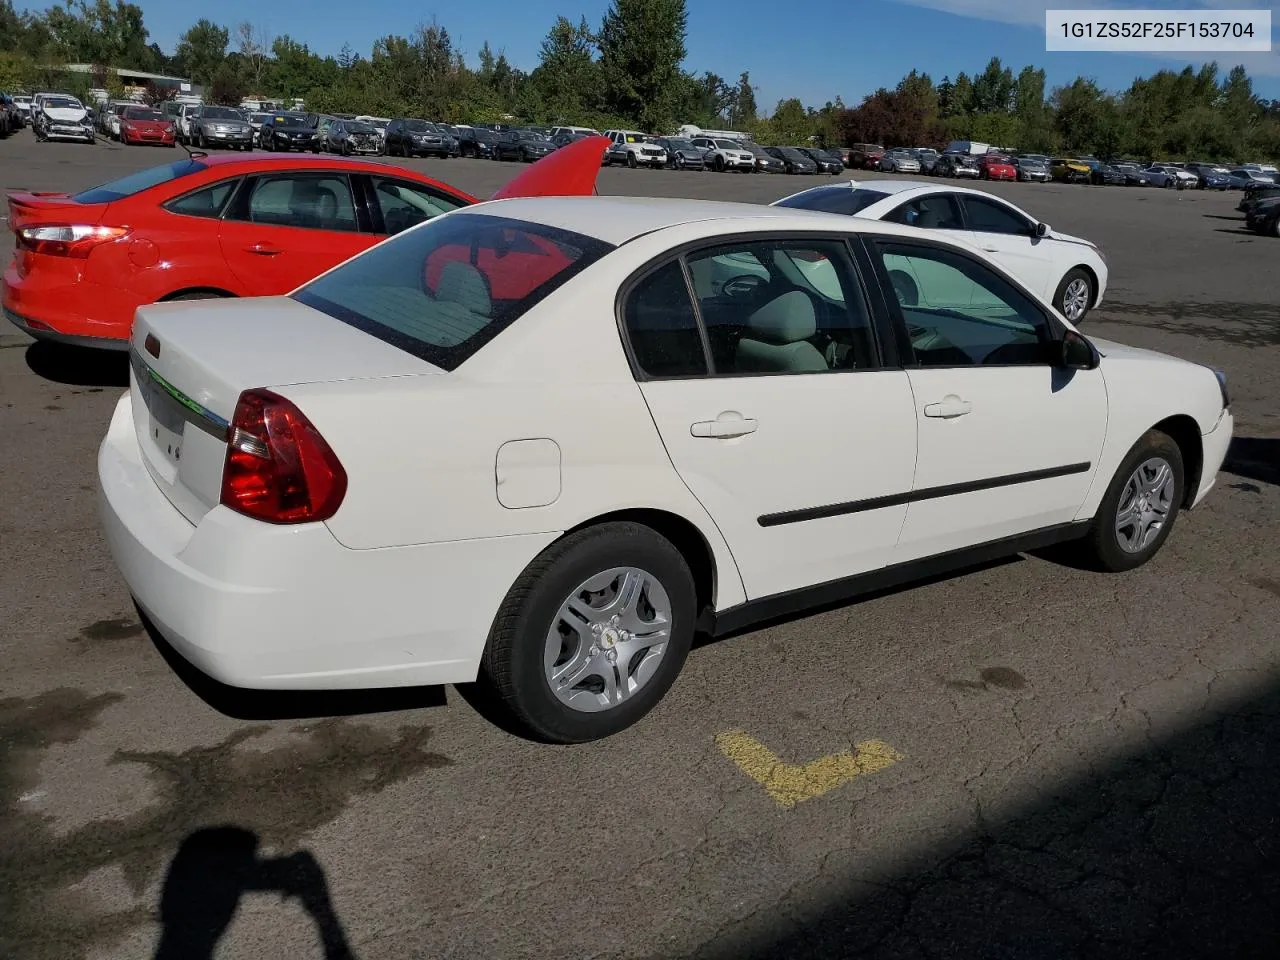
258,605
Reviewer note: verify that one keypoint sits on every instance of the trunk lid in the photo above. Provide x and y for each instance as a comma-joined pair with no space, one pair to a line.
26,209
189,363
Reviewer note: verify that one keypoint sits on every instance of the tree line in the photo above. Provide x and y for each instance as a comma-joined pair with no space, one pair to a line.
630,72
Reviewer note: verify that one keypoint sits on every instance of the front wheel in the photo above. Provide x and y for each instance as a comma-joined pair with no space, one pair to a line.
1140,506
592,634
1075,295
631,161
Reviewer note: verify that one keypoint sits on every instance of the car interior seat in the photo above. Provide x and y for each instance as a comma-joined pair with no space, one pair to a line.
776,339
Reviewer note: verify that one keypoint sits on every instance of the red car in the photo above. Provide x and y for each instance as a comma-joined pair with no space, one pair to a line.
224,226
992,166
144,125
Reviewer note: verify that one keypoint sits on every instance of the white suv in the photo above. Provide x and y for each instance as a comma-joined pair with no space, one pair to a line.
635,149
725,155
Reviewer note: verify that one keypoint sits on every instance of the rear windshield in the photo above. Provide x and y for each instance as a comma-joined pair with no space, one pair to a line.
137,182
444,290
834,200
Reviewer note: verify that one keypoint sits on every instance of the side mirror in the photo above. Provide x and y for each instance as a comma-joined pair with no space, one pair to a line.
1042,229
1076,353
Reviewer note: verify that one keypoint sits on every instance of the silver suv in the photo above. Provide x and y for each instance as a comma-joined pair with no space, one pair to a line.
219,127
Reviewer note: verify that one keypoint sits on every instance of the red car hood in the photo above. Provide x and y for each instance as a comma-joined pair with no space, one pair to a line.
148,126
570,171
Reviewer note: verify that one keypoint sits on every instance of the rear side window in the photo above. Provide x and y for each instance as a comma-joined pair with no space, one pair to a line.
137,182
834,200
204,203
662,326
445,289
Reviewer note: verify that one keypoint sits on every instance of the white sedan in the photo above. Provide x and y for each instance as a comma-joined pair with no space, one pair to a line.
541,442
1071,273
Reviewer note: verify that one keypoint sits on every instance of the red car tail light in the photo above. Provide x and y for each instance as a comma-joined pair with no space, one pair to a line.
69,239
278,467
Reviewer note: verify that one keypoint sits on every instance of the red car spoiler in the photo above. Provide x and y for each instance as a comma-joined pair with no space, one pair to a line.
569,172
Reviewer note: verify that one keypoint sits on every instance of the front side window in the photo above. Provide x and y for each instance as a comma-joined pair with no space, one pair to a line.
444,291
662,326
988,216
937,212
782,306
309,200
959,313
406,205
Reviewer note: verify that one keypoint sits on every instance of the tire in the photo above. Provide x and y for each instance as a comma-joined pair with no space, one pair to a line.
196,295
1067,298
631,161
1116,547
719,164
513,665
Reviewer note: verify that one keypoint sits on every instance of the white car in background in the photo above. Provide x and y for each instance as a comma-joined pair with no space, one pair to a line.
1172,178
722,154
386,478
60,116
1069,272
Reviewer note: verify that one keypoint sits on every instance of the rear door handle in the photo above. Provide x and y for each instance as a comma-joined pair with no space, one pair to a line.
723,429
263,248
991,249
948,409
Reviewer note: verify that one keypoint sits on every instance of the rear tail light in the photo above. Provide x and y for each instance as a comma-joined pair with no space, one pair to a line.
68,240
278,467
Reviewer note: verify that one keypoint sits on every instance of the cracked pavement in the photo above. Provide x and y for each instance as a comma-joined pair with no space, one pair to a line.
1090,763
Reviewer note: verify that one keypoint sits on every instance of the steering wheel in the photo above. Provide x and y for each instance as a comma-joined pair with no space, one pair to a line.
743,285
905,287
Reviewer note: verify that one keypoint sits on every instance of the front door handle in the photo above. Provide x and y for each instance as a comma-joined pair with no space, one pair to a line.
950,408
262,248
991,249
723,429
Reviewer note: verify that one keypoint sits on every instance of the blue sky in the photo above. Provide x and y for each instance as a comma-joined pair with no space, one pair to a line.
810,50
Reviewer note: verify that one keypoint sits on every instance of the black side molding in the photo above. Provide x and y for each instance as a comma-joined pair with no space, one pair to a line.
928,493
834,591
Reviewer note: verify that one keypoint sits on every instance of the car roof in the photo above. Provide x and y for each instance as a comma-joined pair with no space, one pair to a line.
230,163
617,220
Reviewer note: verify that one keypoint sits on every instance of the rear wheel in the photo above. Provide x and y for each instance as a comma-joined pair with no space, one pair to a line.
592,634
1140,506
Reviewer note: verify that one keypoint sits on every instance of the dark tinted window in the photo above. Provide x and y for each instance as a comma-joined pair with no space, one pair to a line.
204,203
406,205
959,313
137,182
442,292
834,199
662,326
937,212
987,216
142,113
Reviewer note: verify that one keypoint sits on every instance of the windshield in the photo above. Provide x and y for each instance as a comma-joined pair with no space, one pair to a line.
417,126
137,182
791,153
63,103
485,136
143,113
354,126
676,143
220,113
257,117
834,199
531,135
728,144
445,289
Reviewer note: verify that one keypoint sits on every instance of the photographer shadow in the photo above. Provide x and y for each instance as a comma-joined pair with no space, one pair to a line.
213,869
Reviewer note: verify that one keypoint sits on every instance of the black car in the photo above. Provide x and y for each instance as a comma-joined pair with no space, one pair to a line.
765,161
792,159
409,137
1134,175
524,145
682,154
1107,175
291,131
828,161
348,137
477,141
566,137
1264,217
1255,196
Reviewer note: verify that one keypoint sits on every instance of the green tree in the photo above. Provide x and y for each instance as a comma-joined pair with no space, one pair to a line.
993,88
961,96
228,87
201,50
567,77
642,44
742,113
791,124
1033,130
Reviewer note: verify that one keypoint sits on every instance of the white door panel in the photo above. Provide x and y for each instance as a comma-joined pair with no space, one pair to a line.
1029,259
756,447
999,424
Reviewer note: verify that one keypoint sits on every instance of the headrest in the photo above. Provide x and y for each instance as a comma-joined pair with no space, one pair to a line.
789,318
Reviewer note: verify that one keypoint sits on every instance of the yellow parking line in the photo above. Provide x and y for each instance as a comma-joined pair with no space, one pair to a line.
789,784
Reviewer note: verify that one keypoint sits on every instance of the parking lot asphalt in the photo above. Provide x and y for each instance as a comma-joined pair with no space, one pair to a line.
1025,760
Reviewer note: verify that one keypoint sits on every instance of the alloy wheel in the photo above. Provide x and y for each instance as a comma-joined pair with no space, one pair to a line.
607,639
1075,299
1145,505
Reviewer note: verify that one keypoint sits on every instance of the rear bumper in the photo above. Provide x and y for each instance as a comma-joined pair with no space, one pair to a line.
53,302
260,606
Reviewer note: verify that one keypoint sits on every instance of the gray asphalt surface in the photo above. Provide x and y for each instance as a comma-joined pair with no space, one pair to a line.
1069,764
